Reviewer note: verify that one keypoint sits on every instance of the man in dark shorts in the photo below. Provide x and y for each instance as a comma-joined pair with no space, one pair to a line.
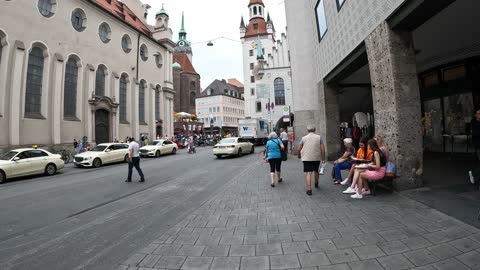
311,150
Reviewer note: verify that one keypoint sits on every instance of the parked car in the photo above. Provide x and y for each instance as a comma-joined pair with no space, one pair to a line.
233,146
28,161
102,154
158,148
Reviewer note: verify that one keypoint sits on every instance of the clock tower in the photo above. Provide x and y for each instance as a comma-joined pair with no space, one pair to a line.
183,45
258,42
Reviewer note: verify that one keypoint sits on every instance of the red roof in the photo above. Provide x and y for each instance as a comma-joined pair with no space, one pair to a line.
256,2
183,60
121,11
261,30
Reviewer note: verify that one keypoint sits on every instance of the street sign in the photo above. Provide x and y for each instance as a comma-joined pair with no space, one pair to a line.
286,119
286,110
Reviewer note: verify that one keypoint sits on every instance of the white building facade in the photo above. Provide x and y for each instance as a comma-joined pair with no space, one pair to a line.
220,106
268,82
83,68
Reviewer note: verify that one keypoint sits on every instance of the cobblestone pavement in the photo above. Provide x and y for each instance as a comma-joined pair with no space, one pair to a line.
250,225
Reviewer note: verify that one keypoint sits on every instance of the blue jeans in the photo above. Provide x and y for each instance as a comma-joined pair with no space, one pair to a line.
339,167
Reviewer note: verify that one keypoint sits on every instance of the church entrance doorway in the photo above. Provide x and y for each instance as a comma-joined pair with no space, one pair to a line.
102,126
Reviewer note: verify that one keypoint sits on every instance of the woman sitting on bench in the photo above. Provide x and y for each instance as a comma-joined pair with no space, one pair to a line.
363,155
371,172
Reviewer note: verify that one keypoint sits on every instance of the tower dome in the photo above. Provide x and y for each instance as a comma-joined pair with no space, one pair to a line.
176,66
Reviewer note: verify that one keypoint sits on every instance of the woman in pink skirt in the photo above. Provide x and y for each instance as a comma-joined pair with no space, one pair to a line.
374,172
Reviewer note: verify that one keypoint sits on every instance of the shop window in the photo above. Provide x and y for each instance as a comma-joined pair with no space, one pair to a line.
430,79
70,89
321,19
453,73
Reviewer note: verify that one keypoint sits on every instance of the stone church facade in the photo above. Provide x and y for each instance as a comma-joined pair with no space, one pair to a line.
83,68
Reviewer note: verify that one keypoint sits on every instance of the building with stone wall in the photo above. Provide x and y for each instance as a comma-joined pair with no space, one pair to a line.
414,65
83,68
219,107
259,33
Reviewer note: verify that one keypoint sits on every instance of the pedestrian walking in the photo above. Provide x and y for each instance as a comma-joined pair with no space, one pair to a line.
274,156
474,174
134,159
311,150
75,145
284,138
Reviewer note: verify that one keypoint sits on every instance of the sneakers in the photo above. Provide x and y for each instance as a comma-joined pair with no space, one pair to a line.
357,196
309,192
345,182
349,190
472,179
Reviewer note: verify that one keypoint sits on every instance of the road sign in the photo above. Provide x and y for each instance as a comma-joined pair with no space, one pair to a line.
286,110
286,119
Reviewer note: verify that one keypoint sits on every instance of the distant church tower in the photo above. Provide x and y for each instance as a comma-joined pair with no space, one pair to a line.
259,32
183,45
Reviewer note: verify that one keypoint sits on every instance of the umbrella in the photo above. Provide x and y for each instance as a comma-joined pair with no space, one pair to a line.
183,114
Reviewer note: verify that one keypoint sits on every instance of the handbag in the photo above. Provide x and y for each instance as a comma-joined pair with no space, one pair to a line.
282,152
391,169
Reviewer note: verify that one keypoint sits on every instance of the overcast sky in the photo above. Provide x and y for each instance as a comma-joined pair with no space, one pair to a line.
209,19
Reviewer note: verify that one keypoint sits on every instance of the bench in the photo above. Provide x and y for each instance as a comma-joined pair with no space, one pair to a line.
386,183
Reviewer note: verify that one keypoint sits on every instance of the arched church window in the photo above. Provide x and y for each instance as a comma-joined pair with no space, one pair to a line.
70,88
141,102
100,81
279,87
254,10
123,98
33,93
192,98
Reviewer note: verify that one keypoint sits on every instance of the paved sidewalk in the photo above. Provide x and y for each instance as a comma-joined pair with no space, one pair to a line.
252,226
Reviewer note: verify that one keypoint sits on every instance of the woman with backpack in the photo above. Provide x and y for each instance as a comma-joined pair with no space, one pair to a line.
274,150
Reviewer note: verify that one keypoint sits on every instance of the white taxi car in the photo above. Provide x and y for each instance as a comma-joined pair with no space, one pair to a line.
157,148
233,146
103,153
28,161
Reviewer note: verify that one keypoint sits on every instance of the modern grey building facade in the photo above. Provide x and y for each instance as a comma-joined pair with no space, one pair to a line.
414,65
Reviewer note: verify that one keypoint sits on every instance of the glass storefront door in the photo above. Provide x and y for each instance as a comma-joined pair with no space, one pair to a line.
446,123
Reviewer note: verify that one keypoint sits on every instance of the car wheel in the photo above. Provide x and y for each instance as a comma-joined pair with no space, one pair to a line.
97,163
239,153
3,178
51,169
174,151
157,154
219,156
125,158
253,150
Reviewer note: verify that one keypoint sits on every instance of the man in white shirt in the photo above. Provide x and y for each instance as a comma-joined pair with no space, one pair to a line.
134,160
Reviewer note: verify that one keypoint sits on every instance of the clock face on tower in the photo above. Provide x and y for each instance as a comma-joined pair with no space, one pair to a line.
254,45
181,43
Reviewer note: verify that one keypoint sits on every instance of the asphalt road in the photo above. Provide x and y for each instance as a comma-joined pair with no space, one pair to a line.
92,219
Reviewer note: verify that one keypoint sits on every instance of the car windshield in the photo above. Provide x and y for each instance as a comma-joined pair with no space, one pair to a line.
155,142
228,140
99,148
8,155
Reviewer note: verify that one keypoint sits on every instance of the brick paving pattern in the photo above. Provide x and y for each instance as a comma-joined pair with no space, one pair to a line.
251,226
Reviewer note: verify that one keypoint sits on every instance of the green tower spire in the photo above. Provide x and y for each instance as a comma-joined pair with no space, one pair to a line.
182,29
